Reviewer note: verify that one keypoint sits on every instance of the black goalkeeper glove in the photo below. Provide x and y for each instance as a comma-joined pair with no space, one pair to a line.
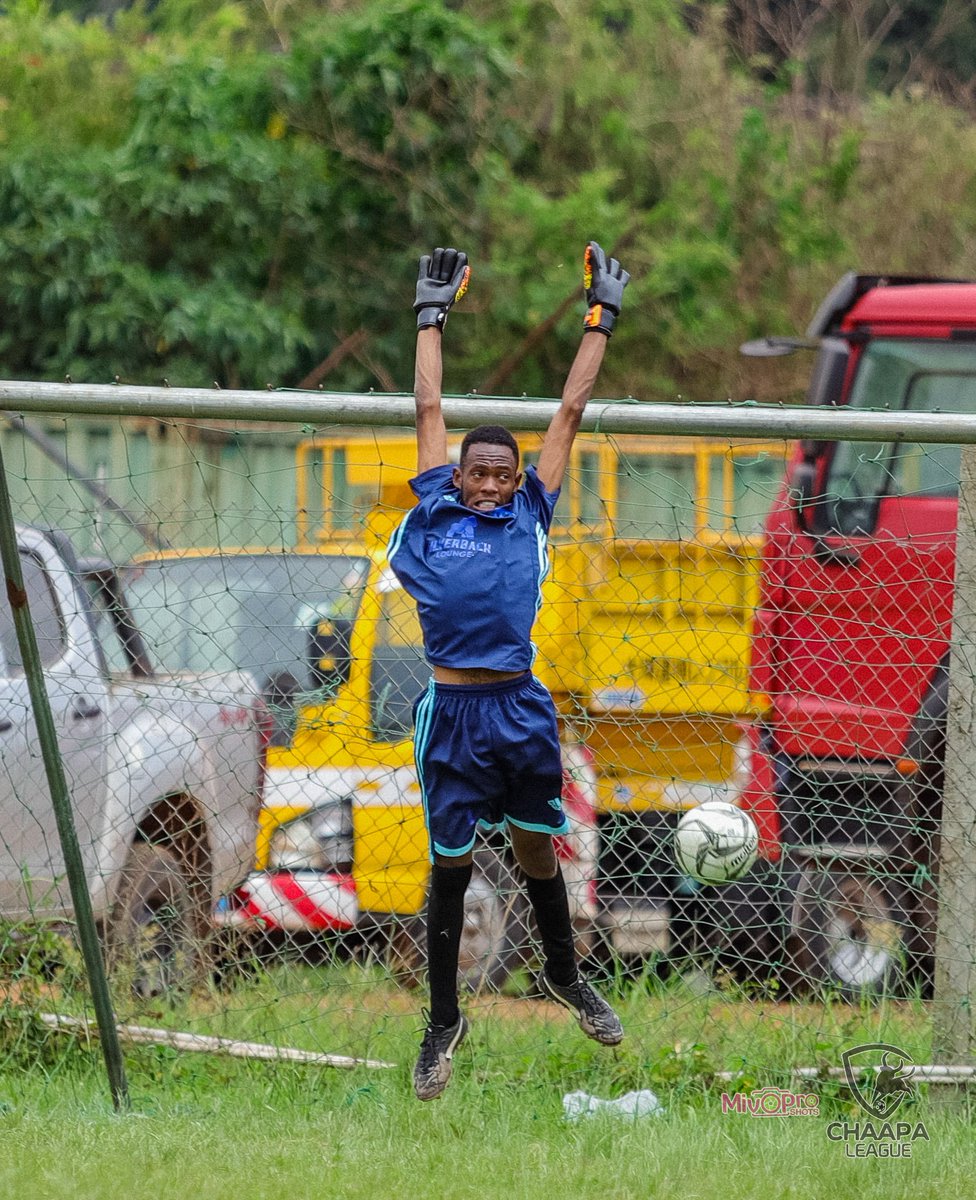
604,286
442,281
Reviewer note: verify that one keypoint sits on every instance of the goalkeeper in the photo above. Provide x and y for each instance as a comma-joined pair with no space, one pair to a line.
473,555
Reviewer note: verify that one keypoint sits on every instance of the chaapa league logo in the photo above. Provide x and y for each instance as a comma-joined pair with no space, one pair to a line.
892,1083
879,1077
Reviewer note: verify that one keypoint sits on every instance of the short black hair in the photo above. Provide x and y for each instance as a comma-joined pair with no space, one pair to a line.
489,435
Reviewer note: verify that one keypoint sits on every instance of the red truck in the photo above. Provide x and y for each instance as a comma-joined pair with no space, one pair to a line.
851,648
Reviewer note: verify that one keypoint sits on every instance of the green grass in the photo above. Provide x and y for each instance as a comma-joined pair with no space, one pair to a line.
215,1128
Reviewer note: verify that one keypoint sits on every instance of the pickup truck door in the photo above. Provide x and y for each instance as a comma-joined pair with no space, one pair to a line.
32,874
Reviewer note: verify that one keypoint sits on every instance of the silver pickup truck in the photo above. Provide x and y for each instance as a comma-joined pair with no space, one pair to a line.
164,771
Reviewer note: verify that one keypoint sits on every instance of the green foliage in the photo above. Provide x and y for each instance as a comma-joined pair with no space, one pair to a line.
36,953
244,211
45,59
225,192
38,962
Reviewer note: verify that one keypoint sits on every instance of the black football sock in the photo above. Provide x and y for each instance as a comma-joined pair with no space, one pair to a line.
445,920
551,907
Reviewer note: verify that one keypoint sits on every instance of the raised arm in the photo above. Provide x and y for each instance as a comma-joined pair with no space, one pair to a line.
604,285
441,282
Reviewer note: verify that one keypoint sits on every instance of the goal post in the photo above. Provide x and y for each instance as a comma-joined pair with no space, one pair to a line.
955,949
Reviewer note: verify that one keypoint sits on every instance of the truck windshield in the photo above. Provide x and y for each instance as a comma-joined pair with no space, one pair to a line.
910,376
285,618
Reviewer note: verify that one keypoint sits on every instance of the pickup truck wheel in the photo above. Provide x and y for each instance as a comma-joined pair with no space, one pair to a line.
846,933
153,937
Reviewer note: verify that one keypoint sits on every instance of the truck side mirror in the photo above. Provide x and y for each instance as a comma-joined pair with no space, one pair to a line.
281,692
330,652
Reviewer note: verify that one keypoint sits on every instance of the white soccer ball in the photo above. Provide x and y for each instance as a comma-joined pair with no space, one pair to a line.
716,842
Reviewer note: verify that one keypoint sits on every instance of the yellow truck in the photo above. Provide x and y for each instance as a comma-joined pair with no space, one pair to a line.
642,639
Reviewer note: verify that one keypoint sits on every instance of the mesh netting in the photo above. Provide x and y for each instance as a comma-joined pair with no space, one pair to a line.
231,667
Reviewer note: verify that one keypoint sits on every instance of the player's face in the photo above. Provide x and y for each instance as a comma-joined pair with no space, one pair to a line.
488,477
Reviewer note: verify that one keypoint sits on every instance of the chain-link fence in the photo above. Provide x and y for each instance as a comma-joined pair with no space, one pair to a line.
230,667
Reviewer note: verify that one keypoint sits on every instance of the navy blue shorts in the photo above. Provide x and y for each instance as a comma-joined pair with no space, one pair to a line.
487,754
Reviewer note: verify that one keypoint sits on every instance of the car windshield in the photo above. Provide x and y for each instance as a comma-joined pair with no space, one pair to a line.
283,617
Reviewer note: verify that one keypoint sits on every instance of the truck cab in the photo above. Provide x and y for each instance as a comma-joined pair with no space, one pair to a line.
852,637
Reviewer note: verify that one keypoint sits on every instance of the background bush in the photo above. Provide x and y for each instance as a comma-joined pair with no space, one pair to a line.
233,193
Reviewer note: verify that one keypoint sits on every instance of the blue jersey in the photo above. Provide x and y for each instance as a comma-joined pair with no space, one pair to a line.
476,576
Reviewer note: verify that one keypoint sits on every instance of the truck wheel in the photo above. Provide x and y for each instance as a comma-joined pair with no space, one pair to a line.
735,925
846,933
495,940
155,937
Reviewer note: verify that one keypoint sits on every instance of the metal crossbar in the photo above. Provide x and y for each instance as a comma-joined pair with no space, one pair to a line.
730,419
